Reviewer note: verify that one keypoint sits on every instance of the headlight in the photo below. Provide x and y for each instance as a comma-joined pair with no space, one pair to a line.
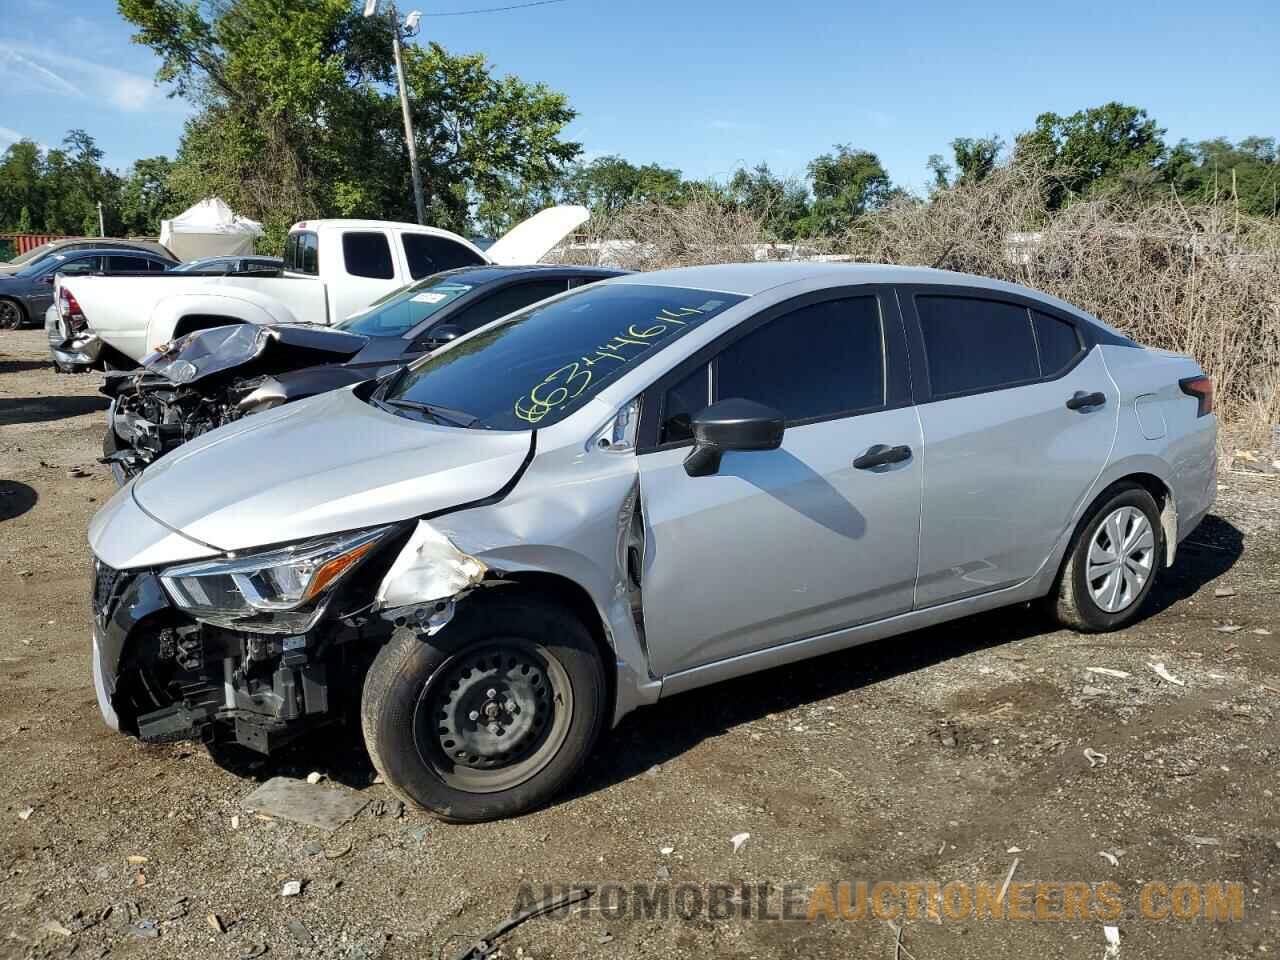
281,591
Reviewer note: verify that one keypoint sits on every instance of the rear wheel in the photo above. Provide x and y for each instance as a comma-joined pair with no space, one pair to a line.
492,716
1113,562
12,316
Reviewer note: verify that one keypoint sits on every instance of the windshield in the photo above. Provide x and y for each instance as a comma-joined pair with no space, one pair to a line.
42,266
536,367
402,309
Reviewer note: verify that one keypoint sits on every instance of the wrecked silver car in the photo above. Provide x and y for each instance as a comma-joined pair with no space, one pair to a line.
632,490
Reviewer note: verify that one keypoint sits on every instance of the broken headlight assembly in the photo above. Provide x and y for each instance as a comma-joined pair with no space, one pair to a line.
282,590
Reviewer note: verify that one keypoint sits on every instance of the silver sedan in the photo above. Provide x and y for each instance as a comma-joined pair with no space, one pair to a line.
632,490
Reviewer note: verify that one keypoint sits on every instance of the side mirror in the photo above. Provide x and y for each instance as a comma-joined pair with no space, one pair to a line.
445,333
733,424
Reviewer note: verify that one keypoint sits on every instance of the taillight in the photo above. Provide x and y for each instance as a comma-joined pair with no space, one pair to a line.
1202,389
70,310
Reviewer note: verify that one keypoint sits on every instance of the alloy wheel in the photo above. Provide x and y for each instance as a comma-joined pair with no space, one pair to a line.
1121,555
10,315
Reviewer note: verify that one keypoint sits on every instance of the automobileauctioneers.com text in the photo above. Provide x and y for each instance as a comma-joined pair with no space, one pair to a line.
888,900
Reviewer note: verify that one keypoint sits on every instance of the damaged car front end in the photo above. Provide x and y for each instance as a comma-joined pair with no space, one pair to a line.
212,377
236,650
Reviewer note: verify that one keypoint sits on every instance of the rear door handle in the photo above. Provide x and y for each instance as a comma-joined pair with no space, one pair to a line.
1081,399
880,454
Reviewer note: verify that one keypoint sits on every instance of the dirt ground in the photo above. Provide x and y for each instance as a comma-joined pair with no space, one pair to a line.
949,754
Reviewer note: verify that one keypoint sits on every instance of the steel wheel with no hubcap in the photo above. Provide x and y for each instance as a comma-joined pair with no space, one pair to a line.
1120,558
490,718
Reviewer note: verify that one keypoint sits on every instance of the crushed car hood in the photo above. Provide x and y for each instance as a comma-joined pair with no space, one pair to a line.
328,464
208,352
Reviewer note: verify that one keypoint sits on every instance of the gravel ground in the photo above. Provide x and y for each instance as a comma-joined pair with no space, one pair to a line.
943,755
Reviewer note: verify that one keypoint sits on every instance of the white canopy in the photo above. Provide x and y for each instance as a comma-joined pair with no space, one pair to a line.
209,229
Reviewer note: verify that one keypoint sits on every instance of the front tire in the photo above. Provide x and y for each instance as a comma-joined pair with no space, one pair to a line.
1112,563
12,315
492,716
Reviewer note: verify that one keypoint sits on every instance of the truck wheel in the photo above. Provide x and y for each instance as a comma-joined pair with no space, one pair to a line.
12,316
493,715
1112,563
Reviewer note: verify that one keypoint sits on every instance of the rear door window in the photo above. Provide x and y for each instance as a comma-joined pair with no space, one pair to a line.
427,254
973,344
117,263
368,255
820,361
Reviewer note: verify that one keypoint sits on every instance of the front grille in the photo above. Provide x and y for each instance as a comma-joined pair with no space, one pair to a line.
107,582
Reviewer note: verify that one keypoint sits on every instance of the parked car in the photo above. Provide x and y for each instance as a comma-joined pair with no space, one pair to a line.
332,268
632,490
27,294
72,244
222,266
212,377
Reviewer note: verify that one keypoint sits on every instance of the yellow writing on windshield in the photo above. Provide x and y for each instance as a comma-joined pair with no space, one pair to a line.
569,381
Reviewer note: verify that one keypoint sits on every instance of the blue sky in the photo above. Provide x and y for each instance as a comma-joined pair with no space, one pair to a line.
708,85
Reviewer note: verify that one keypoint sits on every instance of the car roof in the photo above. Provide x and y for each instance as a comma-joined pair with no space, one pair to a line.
488,273
112,252
750,279
112,243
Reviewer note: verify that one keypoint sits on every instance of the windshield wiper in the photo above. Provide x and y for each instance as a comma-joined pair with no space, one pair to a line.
444,415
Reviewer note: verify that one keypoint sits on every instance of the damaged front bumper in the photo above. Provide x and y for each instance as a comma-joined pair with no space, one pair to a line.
70,349
160,676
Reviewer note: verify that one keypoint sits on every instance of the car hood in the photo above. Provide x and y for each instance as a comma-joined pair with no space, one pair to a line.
320,466
205,353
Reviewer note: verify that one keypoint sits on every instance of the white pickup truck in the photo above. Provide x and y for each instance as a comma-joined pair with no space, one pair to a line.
332,268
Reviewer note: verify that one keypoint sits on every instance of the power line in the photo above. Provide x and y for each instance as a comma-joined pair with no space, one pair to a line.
514,6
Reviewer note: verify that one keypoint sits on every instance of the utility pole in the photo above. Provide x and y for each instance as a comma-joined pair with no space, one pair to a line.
102,230
408,118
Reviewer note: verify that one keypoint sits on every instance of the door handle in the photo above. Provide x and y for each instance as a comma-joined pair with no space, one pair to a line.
1081,399
880,454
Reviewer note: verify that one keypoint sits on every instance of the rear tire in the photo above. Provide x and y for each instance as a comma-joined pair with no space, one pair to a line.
492,716
1112,563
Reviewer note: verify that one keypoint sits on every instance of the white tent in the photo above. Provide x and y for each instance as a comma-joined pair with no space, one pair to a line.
209,229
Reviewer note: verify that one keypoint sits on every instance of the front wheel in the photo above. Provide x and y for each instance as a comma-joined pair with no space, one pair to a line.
12,315
491,717
1112,563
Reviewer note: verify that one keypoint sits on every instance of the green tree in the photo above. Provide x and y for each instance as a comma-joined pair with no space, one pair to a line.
146,197
1091,149
940,172
975,157
846,183
1246,173
781,205
298,114
22,186
607,184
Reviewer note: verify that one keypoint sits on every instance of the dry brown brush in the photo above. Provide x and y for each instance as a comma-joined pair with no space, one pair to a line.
1202,280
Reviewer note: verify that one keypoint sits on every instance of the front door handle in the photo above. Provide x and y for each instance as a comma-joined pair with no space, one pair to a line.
880,454
1081,399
